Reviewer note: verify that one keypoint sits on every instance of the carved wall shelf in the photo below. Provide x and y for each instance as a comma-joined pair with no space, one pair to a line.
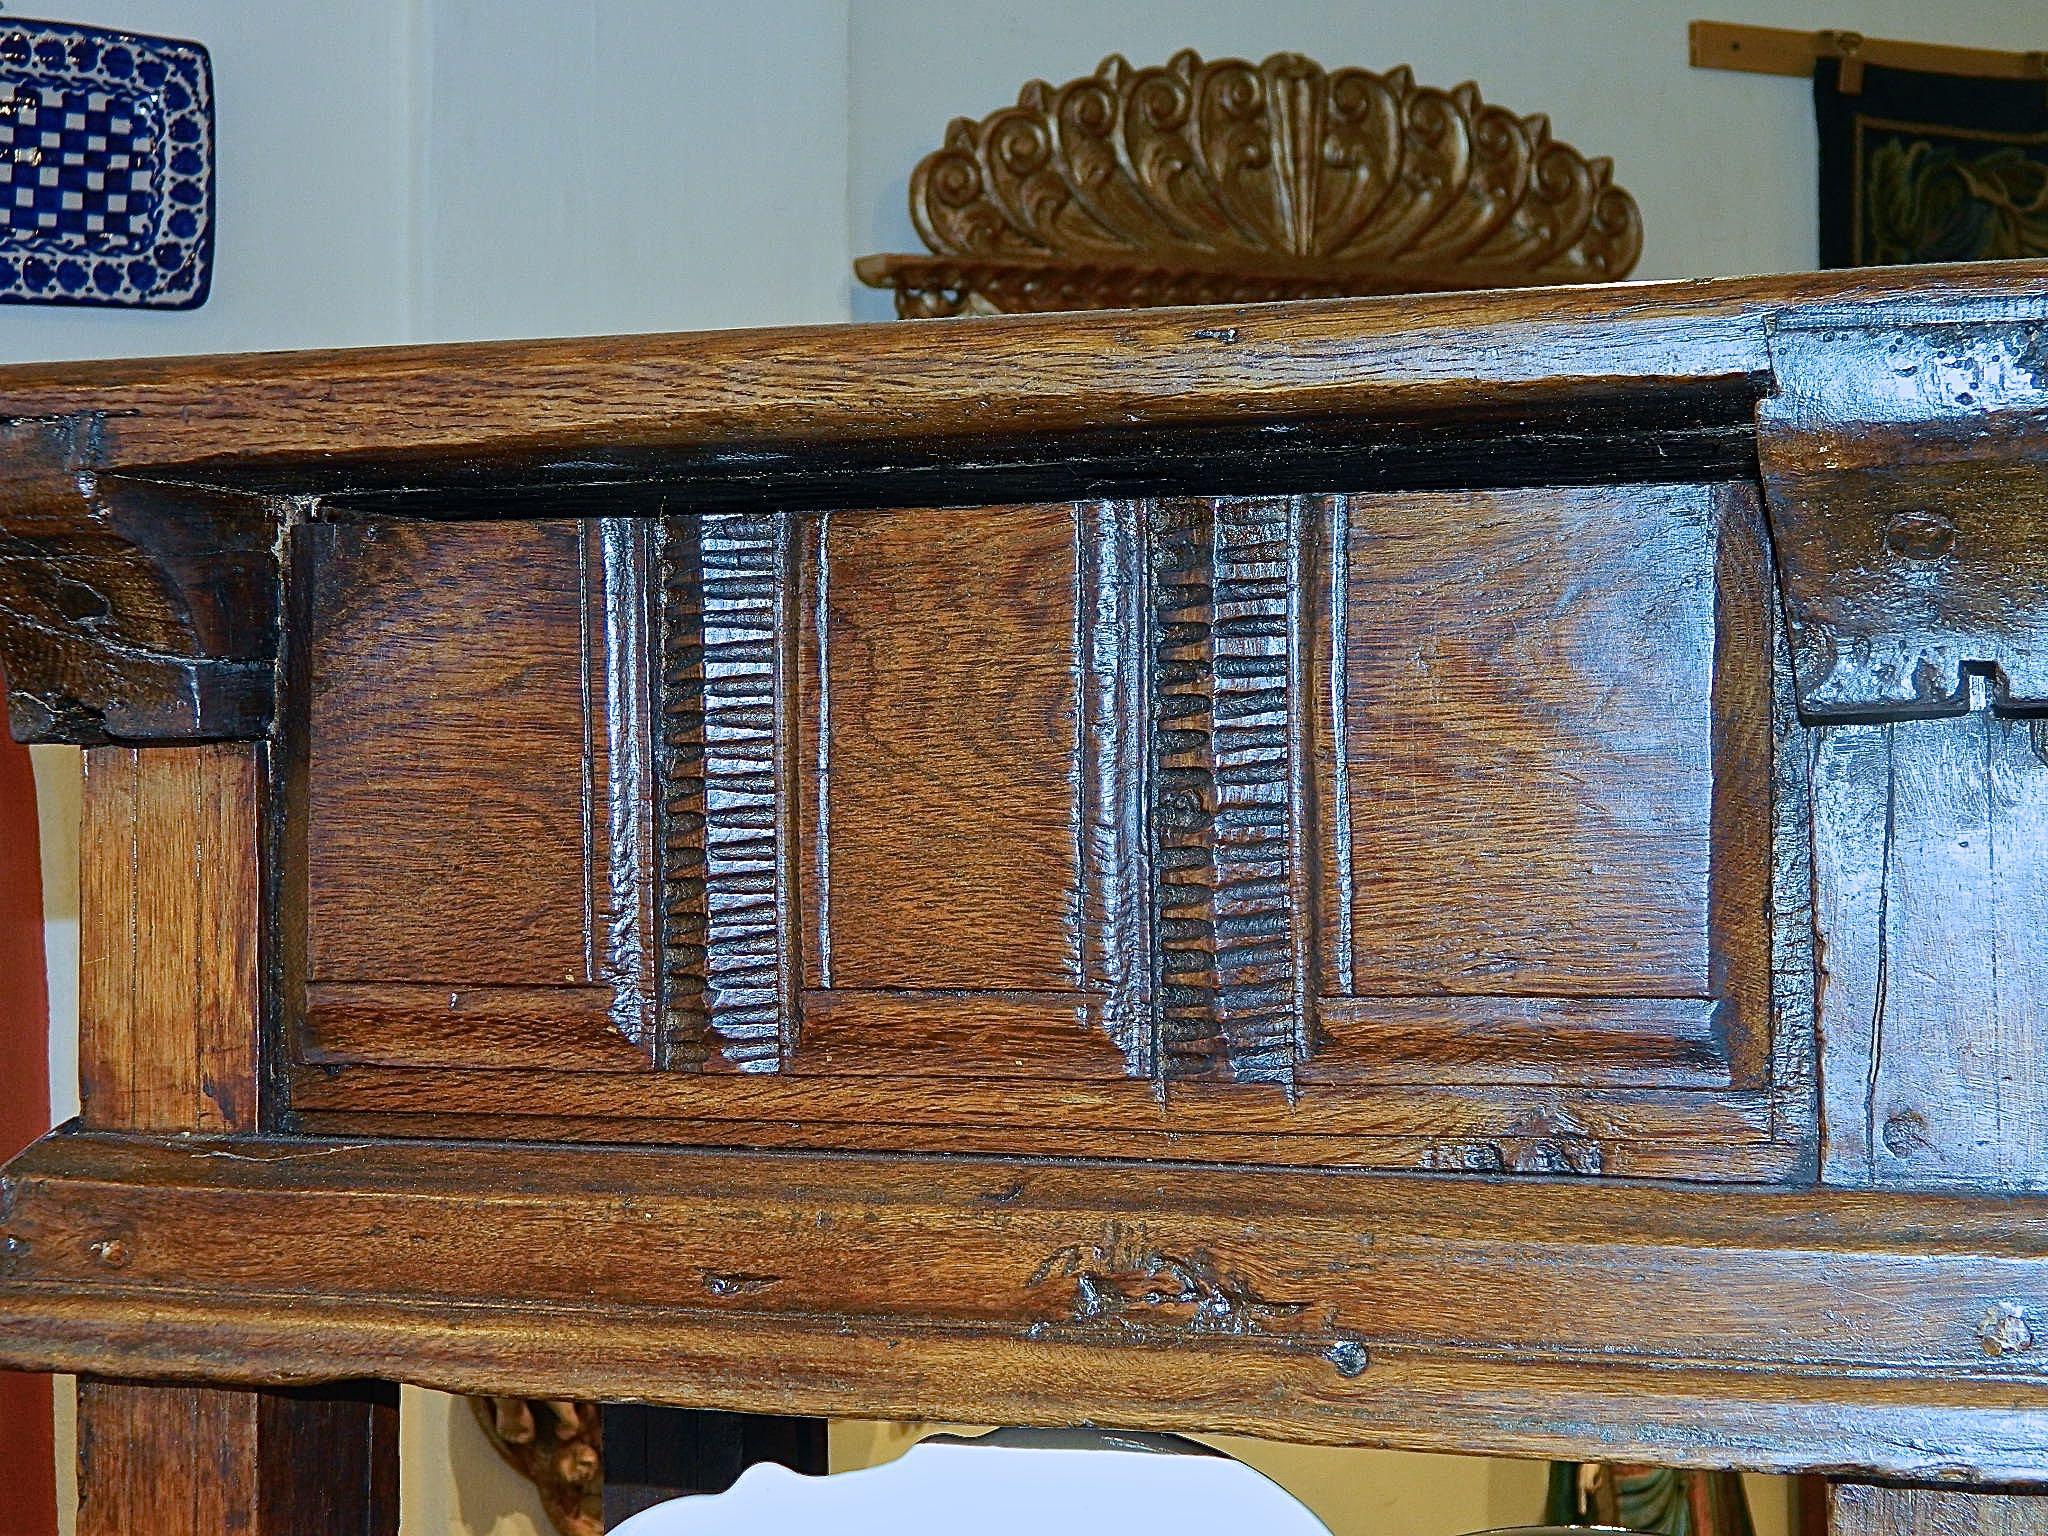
1199,182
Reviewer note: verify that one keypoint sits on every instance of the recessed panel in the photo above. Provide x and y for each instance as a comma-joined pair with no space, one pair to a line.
1531,741
471,845
447,749
947,842
1550,788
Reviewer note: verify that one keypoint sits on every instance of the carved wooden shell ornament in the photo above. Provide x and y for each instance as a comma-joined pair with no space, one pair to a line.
1224,181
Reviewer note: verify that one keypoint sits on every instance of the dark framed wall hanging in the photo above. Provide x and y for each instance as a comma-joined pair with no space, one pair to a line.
106,167
1917,166
1927,152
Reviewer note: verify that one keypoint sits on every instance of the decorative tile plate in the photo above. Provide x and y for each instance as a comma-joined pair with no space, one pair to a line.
106,167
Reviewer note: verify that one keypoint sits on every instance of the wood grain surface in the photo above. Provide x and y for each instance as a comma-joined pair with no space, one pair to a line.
1786,1329
286,411
512,883
1931,894
169,1010
1867,1509
148,467
1026,824
1903,469
423,641
128,612
197,1461
1464,873
169,930
945,837
1549,775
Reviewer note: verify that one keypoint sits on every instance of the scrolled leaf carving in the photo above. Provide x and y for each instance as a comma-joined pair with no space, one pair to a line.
1224,179
558,1447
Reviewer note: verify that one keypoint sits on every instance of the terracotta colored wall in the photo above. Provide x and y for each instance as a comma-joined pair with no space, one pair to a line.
28,1491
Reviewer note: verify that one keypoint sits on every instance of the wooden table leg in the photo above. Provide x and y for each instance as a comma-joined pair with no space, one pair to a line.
170,1002
179,1461
1866,1509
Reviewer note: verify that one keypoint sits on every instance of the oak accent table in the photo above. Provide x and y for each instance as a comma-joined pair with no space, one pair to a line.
1459,872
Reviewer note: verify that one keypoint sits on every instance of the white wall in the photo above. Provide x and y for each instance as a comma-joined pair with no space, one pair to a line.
314,162
395,170
631,166
1722,164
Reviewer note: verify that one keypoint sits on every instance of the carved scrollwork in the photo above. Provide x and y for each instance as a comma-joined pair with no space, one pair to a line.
1200,181
1124,1282
559,1448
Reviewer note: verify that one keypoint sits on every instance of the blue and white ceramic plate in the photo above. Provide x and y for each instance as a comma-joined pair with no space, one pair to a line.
106,167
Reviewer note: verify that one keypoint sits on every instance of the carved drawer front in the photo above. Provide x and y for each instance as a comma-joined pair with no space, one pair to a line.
1400,829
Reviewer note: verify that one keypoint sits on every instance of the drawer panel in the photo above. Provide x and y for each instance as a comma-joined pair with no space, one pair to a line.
941,780
1549,779
469,835
1424,829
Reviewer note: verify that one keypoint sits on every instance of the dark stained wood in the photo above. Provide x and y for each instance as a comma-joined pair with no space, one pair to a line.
1660,1041
1227,804
654,1454
965,766
128,612
1043,1108
466,1026
1786,1329
417,645
965,809
196,1461
983,1033
1532,723
726,857
945,716
169,987
1437,1135
170,1008
124,461
591,398
1549,773
1868,1509
530,876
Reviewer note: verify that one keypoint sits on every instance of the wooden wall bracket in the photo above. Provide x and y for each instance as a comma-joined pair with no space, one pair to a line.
1216,181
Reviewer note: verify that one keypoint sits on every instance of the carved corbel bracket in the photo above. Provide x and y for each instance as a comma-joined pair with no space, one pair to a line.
560,1448
557,1446
1906,473
130,610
